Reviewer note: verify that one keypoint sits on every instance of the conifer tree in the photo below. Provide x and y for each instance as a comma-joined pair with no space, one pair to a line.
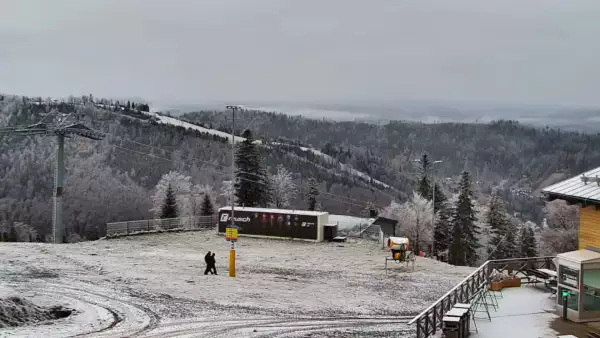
498,223
12,235
371,210
169,209
313,194
443,229
463,249
510,241
528,244
424,186
252,182
440,199
207,206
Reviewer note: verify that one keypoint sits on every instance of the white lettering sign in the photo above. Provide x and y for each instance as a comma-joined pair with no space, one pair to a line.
227,218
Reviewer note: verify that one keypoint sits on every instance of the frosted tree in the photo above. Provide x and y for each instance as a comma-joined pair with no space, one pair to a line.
313,193
283,188
443,228
181,188
197,194
561,233
414,219
228,192
25,232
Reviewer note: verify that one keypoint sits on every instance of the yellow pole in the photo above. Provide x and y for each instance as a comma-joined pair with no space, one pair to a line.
232,260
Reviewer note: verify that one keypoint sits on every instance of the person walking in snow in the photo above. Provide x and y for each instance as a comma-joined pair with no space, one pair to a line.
213,262
207,260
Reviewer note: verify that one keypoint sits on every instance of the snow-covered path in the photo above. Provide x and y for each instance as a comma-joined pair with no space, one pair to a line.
154,286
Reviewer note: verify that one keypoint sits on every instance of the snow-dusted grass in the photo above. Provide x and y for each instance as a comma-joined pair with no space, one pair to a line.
161,275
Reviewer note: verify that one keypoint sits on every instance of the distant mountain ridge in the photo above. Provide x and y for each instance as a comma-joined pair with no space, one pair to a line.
574,118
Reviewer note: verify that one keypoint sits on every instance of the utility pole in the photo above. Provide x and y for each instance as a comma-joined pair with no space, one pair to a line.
232,195
61,130
432,204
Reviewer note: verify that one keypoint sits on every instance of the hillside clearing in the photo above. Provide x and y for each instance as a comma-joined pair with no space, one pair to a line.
154,285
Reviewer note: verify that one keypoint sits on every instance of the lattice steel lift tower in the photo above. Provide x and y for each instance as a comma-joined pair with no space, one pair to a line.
61,129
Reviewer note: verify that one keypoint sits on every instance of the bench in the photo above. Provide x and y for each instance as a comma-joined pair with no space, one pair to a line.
537,276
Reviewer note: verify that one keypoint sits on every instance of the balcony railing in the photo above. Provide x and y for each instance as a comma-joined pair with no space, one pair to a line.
430,320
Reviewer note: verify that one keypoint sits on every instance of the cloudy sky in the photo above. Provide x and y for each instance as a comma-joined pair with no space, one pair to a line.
518,51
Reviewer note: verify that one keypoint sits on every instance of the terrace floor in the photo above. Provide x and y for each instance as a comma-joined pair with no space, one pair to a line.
526,312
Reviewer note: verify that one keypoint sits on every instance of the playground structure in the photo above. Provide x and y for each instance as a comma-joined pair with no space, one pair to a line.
401,251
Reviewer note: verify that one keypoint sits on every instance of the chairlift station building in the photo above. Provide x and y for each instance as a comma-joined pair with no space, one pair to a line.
278,223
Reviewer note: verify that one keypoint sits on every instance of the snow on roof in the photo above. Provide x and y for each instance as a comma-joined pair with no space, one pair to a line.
581,256
575,187
277,211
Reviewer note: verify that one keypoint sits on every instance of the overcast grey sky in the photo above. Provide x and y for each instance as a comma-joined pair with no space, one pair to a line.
527,51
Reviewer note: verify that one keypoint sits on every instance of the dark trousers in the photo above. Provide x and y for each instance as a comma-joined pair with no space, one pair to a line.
208,269
213,269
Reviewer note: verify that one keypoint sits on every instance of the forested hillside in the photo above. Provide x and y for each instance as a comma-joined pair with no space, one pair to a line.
113,179
517,159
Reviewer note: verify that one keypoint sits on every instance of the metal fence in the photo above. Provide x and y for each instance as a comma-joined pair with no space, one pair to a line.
430,320
150,225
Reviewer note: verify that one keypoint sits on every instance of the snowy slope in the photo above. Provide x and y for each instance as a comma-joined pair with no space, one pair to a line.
349,222
176,122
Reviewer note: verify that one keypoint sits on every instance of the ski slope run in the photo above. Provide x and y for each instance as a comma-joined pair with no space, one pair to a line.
179,123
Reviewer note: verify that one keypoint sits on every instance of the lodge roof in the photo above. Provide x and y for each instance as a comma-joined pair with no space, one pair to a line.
583,188
277,211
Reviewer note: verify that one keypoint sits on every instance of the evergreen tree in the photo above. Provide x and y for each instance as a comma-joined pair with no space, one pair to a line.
2,237
12,235
169,209
424,186
528,244
510,241
440,198
252,182
370,210
443,229
500,242
207,206
463,249
313,194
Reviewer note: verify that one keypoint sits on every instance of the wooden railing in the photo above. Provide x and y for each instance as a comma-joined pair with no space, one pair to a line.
430,320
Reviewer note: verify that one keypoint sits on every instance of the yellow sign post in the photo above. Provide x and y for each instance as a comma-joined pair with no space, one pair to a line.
231,234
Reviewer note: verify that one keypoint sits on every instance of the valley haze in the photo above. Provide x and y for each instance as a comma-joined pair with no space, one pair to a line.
574,118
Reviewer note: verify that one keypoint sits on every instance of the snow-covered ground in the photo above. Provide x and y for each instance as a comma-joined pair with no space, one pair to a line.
176,122
346,222
153,286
